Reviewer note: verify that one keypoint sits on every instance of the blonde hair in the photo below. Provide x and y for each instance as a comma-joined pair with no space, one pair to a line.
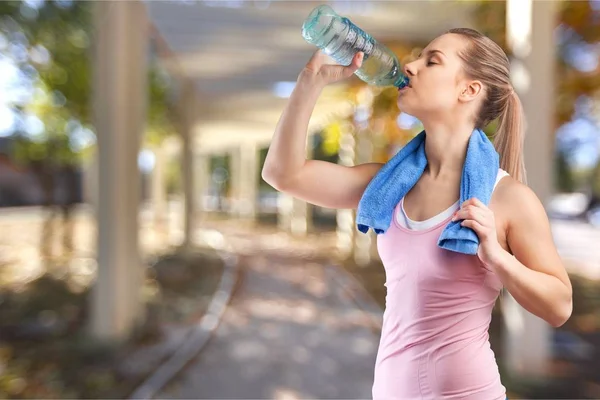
485,60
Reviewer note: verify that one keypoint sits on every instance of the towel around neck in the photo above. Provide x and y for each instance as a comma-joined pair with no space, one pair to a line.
398,176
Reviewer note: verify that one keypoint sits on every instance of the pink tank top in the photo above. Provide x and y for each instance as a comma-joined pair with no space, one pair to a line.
434,341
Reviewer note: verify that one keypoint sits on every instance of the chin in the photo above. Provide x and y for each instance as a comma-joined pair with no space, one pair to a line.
406,107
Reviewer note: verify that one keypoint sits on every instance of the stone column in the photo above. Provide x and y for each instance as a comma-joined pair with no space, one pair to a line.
121,53
186,116
159,188
294,215
363,243
244,174
90,182
530,30
346,230
201,182
187,106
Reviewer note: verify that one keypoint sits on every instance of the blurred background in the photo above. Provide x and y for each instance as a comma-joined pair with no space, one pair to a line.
142,255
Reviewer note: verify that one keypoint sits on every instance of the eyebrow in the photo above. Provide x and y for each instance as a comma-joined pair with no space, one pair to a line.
430,52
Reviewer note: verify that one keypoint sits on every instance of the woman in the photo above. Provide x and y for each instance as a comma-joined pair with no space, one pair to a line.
434,341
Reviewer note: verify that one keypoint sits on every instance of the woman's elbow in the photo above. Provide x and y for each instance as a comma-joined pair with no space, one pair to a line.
267,174
562,313
273,177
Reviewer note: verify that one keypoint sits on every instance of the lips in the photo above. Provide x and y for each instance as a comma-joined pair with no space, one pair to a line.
405,87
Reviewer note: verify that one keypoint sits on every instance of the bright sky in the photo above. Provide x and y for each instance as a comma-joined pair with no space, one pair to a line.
9,94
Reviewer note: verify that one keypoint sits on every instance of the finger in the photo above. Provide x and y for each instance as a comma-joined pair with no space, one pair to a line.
473,201
466,211
341,71
467,202
477,203
357,61
316,60
470,212
317,55
347,71
476,226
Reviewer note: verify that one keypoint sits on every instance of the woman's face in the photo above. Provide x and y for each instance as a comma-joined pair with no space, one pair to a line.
436,79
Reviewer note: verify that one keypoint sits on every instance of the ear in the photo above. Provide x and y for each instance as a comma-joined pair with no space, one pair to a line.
471,91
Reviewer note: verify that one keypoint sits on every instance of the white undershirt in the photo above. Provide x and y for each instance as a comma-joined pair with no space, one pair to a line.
408,223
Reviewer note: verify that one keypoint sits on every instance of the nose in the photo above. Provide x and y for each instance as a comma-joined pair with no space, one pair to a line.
410,69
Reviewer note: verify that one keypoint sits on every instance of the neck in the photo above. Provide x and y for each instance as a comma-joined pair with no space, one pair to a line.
446,148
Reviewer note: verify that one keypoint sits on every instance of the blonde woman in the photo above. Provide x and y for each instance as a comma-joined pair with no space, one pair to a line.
434,342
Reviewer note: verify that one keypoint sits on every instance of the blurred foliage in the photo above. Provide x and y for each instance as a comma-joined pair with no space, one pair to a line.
173,177
58,37
583,20
63,29
160,111
385,103
574,16
220,167
45,351
564,175
578,25
596,183
490,19
330,138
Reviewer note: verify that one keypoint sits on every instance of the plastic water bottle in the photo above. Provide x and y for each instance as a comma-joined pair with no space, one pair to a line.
340,39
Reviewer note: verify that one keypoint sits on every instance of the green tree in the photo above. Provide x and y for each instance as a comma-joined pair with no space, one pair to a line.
564,176
596,185
51,43
579,26
577,29
57,37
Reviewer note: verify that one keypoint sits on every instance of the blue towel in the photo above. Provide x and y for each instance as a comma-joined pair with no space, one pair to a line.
401,173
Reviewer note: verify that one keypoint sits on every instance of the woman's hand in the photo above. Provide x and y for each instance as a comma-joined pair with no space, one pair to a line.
318,71
477,216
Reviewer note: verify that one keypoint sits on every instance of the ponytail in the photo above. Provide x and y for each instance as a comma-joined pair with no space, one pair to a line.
483,59
509,138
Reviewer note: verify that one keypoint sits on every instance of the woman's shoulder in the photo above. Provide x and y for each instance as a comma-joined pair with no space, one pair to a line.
516,200
511,190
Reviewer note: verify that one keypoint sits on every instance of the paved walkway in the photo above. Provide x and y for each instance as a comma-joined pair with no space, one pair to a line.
291,331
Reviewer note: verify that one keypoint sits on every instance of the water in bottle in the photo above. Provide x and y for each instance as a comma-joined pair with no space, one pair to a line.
339,38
